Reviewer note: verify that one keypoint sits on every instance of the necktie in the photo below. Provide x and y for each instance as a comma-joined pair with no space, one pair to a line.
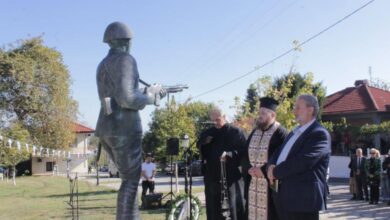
358,162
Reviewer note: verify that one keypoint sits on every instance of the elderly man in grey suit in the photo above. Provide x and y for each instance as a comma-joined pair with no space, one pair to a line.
119,124
299,166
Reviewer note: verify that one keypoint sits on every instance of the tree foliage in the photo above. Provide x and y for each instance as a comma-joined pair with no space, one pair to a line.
372,129
251,100
11,155
175,120
285,89
34,90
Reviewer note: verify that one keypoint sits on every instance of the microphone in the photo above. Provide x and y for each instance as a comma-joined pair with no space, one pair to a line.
208,123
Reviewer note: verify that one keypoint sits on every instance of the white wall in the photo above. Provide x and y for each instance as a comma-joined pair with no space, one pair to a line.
76,165
338,166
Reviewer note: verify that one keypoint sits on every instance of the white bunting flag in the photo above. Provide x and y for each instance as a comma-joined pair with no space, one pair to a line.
27,148
34,149
18,145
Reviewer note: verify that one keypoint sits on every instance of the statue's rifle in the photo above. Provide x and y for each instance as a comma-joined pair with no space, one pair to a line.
168,89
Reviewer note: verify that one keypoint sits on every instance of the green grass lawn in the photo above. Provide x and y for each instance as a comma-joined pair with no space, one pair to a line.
46,197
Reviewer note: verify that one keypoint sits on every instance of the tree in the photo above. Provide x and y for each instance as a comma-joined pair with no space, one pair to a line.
11,155
288,87
199,113
251,100
174,121
34,90
284,89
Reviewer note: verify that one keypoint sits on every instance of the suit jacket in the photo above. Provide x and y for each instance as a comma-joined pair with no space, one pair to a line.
361,167
117,77
302,176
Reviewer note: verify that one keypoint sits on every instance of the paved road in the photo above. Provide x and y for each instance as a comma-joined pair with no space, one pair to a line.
339,205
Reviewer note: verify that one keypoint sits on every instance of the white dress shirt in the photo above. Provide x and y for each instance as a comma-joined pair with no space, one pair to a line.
296,134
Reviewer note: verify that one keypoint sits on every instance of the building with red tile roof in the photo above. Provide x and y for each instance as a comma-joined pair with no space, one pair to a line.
79,128
361,104
362,98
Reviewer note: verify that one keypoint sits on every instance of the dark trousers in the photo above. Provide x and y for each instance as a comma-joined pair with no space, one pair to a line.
213,199
285,215
374,193
147,185
361,184
303,216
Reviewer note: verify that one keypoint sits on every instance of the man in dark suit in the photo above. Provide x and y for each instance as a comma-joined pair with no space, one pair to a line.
357,166
299,166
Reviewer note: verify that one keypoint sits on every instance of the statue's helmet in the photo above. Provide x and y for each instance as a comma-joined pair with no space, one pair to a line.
116,30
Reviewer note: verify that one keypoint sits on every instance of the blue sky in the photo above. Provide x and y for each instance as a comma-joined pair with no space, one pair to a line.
206,43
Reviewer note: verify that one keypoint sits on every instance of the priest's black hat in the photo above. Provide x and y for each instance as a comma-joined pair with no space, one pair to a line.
268,102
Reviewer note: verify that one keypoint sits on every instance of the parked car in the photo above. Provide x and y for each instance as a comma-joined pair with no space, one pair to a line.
168,170
196,168
103,168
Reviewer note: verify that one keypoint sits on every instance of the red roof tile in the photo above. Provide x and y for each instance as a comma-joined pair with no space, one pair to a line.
79,128
362,98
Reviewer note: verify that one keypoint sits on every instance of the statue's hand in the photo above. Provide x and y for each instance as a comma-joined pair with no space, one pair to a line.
163,93
154,94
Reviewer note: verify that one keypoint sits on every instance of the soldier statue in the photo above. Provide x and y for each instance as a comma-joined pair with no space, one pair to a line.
119,125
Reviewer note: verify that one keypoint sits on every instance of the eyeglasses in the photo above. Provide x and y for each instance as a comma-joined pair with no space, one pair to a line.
372,153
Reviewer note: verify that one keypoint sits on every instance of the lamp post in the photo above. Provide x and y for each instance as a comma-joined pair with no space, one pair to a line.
185,143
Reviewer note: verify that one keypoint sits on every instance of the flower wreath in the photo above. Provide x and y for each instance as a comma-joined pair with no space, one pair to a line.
177,202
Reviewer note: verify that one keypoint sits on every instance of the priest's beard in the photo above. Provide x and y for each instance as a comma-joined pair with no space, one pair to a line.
264,125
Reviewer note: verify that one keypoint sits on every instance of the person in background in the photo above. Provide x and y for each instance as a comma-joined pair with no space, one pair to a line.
386,168
352,180
373,171
358,166
148,173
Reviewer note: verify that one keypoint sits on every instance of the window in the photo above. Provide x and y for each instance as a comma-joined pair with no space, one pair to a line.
49,166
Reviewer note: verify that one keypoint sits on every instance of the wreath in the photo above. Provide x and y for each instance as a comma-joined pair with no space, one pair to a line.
178,203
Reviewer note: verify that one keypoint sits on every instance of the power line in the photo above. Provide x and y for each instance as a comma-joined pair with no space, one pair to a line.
256,68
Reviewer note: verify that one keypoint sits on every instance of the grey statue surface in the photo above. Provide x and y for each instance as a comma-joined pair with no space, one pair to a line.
119,125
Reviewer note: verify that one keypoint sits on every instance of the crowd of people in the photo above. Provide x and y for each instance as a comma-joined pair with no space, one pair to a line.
368,175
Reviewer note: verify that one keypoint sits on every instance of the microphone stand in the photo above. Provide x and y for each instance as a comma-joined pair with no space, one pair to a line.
188,173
